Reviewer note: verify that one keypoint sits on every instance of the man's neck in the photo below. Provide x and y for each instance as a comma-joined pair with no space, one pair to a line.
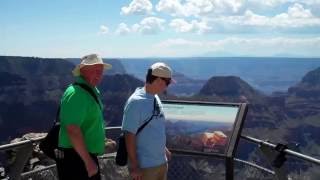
150,89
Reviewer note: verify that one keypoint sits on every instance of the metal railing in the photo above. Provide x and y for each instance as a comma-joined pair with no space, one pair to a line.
182,166
286,151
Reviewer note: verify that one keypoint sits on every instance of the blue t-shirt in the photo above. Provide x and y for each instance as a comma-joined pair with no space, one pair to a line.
151,141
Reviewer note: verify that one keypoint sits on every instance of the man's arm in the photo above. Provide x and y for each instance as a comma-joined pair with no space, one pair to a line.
135,171
76,137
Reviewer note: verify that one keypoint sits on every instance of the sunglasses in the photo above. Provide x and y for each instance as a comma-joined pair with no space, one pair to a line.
167,80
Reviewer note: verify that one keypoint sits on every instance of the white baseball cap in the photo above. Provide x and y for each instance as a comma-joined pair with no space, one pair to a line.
160,69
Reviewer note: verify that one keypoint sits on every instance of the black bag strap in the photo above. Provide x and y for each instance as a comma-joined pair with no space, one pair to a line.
153,114
57,121
89,90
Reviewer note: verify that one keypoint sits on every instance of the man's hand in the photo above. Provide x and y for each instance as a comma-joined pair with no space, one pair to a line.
135,170
91,167
76,137
135,173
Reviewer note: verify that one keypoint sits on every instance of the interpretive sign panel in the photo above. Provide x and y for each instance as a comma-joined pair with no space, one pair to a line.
202,126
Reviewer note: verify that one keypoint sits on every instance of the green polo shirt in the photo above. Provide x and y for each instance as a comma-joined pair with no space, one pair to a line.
78,107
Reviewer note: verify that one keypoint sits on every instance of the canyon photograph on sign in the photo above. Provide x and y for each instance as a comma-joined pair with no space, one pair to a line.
199,128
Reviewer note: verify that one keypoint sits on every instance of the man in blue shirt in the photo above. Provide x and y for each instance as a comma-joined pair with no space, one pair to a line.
147,152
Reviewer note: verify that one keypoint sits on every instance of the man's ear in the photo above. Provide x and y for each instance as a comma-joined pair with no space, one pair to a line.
83,70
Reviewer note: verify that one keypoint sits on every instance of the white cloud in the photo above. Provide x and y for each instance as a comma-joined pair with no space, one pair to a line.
217,8
173,7
240,47
296,17
137,7
272,6
310,2
135,27
149,25
199,7
180,25
104,29
268,3
122,29
275,3
230,16
297,11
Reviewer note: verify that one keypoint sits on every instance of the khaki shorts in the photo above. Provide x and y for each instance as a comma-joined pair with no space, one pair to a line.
155,173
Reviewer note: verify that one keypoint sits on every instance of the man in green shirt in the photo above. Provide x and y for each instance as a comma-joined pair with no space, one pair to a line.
81,136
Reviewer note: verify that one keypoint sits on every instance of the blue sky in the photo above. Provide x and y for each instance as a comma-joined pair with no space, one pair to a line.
160,28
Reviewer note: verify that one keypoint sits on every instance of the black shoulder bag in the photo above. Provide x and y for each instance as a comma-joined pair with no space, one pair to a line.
122,154
49,144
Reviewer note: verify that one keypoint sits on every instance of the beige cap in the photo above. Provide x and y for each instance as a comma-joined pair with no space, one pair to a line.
89,60
160,69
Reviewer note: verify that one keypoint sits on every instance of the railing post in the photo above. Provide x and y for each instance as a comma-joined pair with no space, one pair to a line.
22,156
229,168
271,155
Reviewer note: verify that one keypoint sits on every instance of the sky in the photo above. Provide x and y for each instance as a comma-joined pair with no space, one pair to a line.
160,28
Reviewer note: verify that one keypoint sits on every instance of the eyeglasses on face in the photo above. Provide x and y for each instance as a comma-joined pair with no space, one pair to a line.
167,80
